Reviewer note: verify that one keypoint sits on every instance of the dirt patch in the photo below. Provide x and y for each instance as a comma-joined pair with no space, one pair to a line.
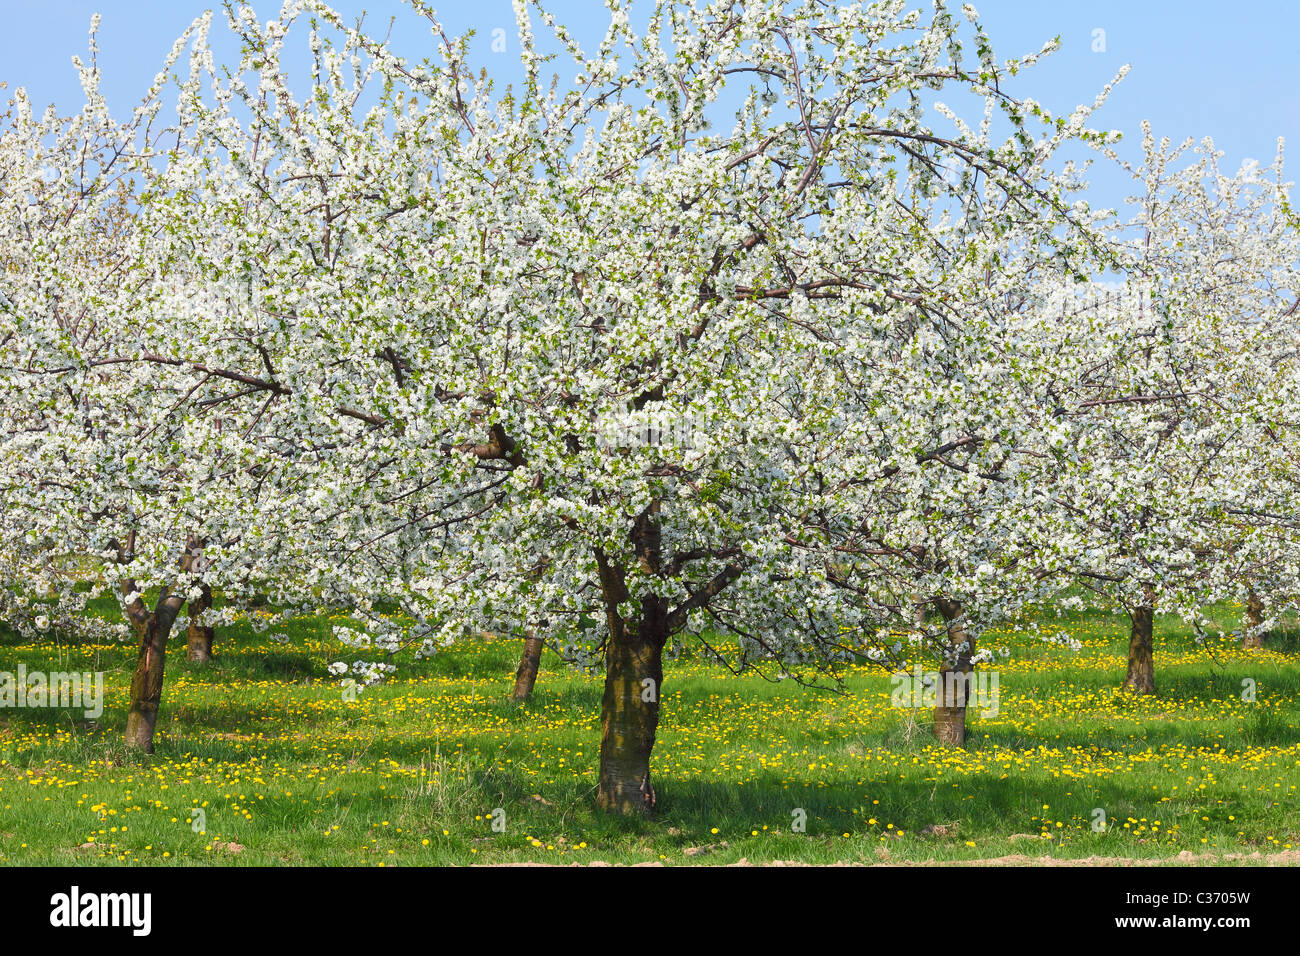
702,850
941,829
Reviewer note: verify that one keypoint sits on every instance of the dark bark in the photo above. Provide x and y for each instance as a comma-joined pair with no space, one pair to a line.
198,639
147,683
529,663
630,712
1254,638
1141,676
955,677
152,628
634,669
629,715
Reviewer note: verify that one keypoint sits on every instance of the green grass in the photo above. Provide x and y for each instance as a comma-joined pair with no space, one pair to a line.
286,771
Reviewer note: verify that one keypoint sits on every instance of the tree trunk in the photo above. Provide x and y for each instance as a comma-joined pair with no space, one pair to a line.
152,628
1141,676
634,669
198,638
1254,638
630,712
919,616
147,682
955,677
529,664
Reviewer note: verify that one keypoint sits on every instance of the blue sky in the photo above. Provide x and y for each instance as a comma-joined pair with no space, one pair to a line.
1199,68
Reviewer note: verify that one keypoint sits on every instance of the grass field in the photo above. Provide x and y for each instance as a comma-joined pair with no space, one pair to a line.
286,771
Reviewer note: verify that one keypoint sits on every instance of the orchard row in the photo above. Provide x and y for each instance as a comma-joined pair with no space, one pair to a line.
583,358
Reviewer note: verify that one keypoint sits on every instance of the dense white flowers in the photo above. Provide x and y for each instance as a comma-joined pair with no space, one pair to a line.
585,361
